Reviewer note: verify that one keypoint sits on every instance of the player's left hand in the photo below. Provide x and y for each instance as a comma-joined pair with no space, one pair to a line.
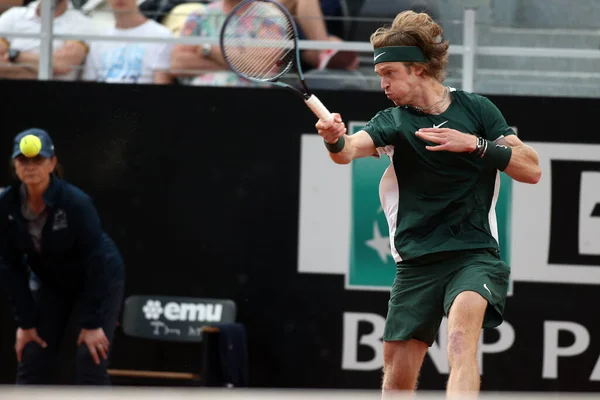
448,140
96,342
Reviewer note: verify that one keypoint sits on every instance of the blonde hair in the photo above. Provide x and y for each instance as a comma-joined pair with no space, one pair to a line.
417,29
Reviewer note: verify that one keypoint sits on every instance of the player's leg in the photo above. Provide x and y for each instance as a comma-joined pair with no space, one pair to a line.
414,315
475,298
87,371
464,327
402,360
52,314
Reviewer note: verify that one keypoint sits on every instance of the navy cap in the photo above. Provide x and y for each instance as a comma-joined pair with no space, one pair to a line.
47,150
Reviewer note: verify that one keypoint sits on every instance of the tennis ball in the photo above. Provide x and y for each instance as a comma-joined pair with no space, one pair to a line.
30,146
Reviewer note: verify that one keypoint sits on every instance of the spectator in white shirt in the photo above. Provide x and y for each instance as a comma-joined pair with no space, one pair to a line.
130,62
19,57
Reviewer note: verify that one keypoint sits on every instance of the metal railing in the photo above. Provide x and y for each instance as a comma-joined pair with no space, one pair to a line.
469,50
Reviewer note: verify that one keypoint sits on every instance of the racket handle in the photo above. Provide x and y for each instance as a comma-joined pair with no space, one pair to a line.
318,108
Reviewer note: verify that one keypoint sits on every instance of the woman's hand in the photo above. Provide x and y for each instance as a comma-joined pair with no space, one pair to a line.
96,342
25,336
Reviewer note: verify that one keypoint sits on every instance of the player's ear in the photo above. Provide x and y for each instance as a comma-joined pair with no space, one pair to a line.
417,69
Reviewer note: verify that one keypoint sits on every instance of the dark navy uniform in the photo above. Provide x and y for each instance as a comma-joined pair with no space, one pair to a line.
72,266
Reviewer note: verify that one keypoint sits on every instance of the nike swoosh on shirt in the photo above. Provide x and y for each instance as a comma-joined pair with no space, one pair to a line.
437,126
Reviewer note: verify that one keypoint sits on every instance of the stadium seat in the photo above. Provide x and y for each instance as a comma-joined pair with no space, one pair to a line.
385,11
210,323
336,79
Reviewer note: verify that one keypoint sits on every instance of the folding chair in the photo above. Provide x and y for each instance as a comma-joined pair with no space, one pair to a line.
178,320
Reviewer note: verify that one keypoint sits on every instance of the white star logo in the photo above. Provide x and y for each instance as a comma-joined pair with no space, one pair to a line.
379,243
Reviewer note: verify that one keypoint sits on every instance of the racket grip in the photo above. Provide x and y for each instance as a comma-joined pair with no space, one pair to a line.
318,108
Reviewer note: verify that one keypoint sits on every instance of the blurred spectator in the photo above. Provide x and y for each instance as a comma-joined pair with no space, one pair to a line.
20,56
187,60
130,62
175,19
311,23
333,8
157,9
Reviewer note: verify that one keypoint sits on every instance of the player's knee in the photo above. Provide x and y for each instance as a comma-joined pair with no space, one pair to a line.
469,303
390,378
397,376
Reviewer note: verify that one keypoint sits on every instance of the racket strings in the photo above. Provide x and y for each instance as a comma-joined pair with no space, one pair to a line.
266,23
270,63
261,66
272,58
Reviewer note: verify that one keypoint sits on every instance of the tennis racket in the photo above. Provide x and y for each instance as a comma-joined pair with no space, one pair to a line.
259,41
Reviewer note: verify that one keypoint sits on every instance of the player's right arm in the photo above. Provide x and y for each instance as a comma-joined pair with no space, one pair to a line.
356,146
344,148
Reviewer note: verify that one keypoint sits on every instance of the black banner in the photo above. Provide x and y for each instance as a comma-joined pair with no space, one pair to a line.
174,319
200,189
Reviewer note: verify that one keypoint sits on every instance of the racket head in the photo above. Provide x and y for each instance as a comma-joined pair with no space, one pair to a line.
277,50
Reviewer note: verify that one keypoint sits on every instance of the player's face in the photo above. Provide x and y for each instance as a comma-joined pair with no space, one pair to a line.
397,81
123,5
35,170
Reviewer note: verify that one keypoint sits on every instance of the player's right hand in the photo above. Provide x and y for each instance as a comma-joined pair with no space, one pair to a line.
25,336
332,130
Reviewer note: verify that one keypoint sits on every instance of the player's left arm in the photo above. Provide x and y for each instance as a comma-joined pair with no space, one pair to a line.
498,145
524,163
507,154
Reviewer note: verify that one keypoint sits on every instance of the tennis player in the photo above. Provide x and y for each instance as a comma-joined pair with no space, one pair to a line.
55,261
447,148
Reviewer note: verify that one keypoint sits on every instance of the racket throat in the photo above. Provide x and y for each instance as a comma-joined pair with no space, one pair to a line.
305,92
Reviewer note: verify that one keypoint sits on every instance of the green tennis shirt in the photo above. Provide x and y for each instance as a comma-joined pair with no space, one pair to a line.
438,201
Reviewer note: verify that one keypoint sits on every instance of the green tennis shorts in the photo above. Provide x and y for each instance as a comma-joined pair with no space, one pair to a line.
425,288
